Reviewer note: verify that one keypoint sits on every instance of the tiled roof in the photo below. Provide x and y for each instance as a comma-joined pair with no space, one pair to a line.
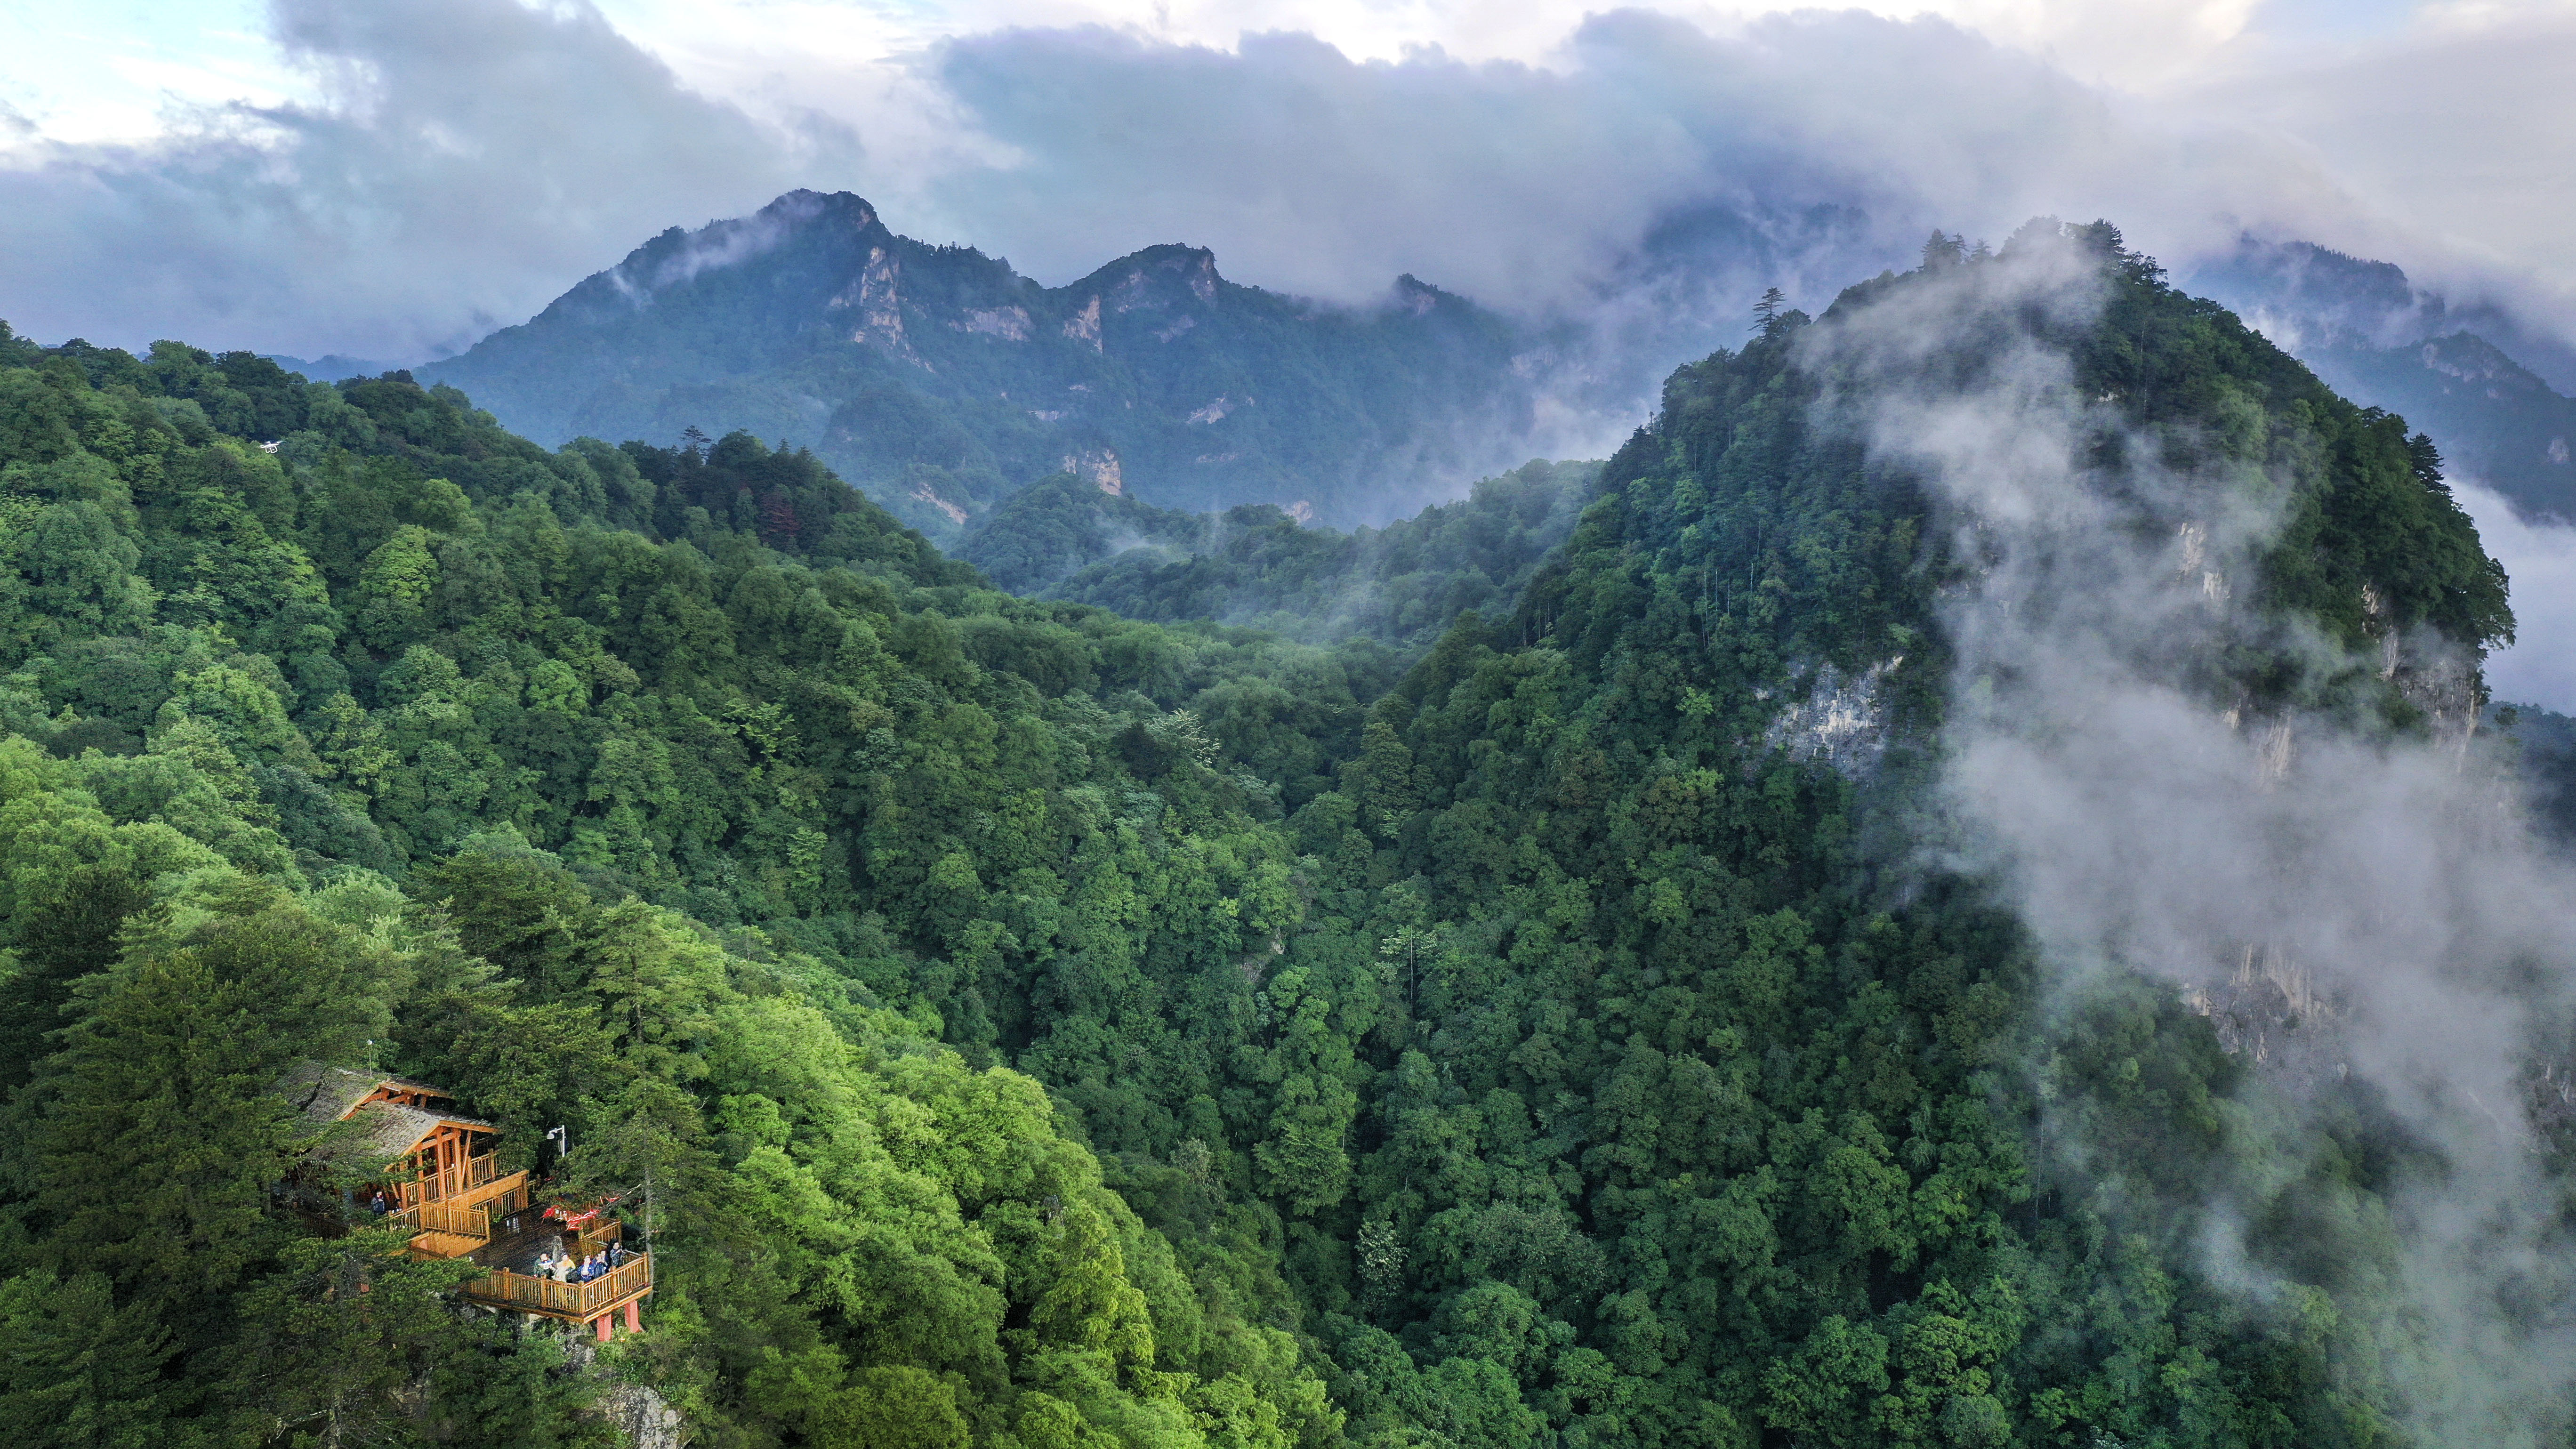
323,1094
386,1131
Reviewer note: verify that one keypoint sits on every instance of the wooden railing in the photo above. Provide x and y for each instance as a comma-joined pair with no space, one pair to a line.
454,1181
505,1289
512,1197
473,1181
597,1237
437,1217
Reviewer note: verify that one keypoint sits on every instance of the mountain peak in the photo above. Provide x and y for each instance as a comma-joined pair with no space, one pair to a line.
810,320
1158,278
802,207
676,256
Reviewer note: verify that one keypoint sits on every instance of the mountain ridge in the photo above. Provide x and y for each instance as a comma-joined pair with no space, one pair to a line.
941,380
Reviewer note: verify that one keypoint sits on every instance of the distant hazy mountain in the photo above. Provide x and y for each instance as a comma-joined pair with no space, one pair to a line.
2475,380
941,380
334,368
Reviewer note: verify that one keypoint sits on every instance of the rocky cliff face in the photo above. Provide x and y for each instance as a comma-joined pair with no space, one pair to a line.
643,1420
2271,1009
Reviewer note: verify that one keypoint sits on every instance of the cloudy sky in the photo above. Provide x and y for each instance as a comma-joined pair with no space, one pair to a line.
391,178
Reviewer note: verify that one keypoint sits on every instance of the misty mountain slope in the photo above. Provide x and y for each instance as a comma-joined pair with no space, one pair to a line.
333,368
1058,526
1254,565
2026,1218
941,381
2543,742
2495,418
1858,954
2454,373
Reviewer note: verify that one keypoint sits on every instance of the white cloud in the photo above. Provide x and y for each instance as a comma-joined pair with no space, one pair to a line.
2130,42
2540,558
2460,132
1311,170
456,163
111,70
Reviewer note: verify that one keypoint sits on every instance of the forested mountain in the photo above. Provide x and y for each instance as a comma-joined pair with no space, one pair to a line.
1050,1029
1403,584
2372,336
365,749
941,381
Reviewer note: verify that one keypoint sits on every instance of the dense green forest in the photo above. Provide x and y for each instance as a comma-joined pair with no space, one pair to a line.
1253,564
1047,1028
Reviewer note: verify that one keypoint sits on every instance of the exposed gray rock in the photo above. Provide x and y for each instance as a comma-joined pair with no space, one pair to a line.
2272,1010
1842,721
642,1419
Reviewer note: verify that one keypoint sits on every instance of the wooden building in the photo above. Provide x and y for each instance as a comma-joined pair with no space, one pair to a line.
431,1170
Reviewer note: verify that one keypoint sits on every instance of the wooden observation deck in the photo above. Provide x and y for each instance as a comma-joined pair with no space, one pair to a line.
436,1174
621,1289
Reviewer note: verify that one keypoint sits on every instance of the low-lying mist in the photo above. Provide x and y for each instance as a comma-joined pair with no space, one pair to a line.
2361,905
2539,667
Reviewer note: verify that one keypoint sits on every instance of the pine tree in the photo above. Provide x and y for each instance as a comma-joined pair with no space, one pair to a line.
352,1324
75,1369
1766,312
66,935
163,1129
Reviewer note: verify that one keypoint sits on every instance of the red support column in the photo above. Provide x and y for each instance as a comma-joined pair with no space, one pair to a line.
634,1315
604,1325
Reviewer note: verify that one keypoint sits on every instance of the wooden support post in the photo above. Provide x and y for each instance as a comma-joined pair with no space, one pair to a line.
634,1315
604,1325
